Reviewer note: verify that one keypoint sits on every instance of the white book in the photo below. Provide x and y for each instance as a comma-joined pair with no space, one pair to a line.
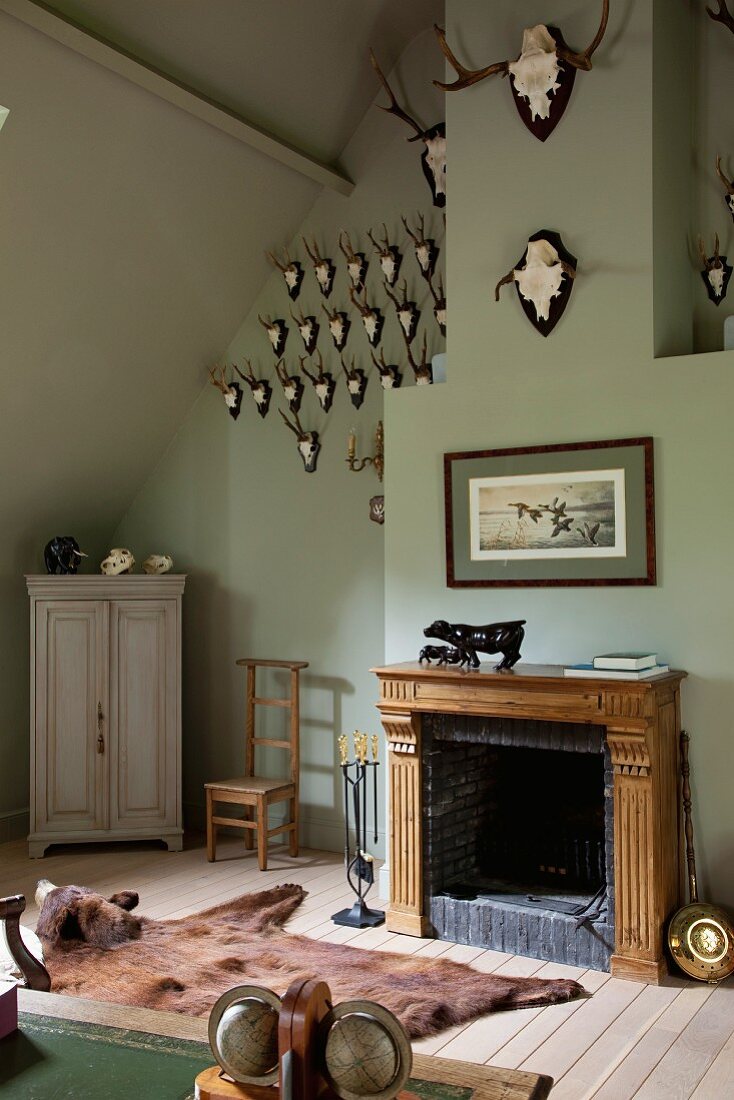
615,673
631,661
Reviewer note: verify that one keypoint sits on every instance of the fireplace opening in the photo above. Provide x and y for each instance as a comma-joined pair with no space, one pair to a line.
519,836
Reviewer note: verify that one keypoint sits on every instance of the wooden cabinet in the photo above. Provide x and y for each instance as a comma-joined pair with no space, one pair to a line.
105,709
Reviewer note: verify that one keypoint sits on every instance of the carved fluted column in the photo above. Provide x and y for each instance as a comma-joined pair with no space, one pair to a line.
406,833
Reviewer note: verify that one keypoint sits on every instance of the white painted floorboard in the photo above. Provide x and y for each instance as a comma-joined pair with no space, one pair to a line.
624,1040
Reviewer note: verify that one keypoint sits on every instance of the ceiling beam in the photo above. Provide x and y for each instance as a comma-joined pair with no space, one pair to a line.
43,18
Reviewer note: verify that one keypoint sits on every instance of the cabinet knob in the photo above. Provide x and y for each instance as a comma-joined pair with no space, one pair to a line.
100,723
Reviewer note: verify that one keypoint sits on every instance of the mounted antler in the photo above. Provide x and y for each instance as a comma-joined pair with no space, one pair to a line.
291,271
309,330
426,252
542,75
277,331
292,386
260,388
357,262
395,108
339,325
372,318
356,382
439,303
728,184
308,442
723,15
466,77
407,312
716,272
433,157
389,256
219,381
390,376
423,370
324,268
231,392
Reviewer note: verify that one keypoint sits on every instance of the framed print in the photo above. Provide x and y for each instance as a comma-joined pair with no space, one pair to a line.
566,514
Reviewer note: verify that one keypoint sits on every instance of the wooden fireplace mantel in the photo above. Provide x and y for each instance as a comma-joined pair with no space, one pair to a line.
642,723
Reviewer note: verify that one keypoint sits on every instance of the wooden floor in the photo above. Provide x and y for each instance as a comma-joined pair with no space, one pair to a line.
672,1042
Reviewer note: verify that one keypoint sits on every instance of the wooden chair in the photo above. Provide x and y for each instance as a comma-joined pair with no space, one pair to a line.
252,792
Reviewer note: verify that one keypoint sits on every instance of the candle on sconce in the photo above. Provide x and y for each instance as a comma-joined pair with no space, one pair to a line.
351,444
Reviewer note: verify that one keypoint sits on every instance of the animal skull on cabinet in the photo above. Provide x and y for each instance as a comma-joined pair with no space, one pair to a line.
158,563
117,561
544,279
716,272
433,157
541,78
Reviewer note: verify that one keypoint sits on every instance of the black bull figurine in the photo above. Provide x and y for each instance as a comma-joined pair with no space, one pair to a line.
504,638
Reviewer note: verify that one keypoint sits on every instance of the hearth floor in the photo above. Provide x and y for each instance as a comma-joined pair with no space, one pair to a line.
627,1039
512,893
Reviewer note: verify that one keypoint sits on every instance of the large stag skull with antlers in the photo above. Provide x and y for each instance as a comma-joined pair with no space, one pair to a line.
716,272
231,392
433,157
308,442
544,280
541,78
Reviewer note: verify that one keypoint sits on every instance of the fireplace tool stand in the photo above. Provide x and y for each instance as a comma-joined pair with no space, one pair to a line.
358,861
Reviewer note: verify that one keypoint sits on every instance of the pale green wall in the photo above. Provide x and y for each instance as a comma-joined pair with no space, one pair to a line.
594,378
282,564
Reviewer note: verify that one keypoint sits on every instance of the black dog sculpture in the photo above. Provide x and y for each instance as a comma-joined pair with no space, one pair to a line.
504,638
442,654
62,555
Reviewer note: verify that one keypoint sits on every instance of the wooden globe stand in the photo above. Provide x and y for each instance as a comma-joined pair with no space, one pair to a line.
304,1008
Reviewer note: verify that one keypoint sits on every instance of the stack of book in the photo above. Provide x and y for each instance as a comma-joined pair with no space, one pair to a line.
620,666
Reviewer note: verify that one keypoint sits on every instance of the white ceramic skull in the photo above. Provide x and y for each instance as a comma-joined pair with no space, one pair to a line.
535,73
158,563
540,280
117,561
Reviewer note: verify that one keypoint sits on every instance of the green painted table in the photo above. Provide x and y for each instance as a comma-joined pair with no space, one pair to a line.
70,1048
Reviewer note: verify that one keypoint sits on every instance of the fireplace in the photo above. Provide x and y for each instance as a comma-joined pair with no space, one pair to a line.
518,837
467,840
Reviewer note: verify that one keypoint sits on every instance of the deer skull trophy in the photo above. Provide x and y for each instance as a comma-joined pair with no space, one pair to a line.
291,271
339,326
433,157
728,184
723,15
357,262
372,318
422,369
260,388
542,77
292,386
439,304
716,272
407,312
391,377
323,382
277,331
309,330
544,280
308,442
356,383
231,391
389,255
426,249
323,268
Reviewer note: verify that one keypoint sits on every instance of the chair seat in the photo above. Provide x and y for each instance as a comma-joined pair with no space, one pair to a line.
251,785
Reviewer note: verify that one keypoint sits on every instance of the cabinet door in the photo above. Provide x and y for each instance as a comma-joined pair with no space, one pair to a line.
71,703
143,714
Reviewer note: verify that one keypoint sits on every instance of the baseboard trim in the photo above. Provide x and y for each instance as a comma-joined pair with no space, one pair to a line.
14,825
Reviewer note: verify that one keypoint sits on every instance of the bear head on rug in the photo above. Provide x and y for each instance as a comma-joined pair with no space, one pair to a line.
95,947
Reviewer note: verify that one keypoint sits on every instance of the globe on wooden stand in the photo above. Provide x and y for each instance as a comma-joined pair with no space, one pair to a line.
316,1051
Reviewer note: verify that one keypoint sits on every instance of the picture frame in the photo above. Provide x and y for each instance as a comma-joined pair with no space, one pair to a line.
559,515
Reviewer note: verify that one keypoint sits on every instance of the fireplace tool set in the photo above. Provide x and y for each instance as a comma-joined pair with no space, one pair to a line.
358,861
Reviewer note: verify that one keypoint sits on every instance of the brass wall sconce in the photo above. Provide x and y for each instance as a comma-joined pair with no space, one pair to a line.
377,459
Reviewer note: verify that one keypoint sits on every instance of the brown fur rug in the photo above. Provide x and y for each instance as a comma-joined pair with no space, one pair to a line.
96,948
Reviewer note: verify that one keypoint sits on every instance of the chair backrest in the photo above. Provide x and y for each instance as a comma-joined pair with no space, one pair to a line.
292,704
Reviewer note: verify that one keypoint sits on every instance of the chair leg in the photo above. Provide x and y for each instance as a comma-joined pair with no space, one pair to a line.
293,835
262,833
249,838
211,829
